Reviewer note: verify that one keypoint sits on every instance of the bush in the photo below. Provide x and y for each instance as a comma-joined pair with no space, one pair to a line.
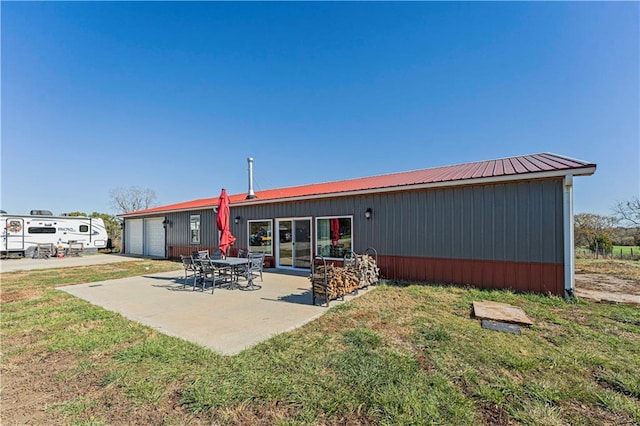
602,244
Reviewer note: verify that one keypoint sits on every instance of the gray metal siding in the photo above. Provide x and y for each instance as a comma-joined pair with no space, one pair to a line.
178,232
520,221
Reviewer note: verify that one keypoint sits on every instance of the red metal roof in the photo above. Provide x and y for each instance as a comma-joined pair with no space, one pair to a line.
521,167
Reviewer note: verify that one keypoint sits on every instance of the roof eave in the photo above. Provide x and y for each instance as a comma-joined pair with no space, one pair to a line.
161,212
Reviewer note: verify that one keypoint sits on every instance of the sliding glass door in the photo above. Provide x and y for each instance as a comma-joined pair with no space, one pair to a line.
293,241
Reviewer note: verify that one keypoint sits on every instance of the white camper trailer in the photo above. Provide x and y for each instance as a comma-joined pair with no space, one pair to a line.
21,234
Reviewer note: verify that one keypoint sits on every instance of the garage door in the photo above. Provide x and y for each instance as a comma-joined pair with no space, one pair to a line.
154,237
133,230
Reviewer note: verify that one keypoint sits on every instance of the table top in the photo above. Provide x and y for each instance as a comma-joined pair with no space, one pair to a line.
231,261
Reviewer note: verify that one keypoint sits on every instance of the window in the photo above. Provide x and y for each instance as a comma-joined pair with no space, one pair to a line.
260,236
334,236
194,229
84,228
41,230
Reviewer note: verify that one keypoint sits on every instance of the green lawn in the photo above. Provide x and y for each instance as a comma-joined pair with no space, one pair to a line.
397,355
626,250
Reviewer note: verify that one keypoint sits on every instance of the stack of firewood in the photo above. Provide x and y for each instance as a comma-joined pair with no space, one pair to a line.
339,280
366,267
369,271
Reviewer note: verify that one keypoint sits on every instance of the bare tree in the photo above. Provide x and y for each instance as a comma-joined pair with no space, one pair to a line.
132,199
628,211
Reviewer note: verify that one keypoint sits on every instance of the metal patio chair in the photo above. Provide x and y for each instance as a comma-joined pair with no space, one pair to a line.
216,254
251,270
200,254
190,270
256,263
216,275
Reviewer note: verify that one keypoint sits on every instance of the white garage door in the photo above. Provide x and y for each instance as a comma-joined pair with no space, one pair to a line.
133,230
154,237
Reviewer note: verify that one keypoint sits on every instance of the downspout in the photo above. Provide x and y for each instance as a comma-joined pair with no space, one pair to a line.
569,252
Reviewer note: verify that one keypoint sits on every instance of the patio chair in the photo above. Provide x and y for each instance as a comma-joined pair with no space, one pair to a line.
243,252
200,254
190,269
256,263
217,254
214,274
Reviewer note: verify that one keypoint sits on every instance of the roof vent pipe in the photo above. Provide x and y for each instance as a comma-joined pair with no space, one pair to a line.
251,194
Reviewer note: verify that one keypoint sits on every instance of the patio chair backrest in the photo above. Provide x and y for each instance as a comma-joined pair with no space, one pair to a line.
217,254
187,262
207,267
243,252
256,260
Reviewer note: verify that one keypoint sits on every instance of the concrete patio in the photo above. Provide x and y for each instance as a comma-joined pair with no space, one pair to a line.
227,321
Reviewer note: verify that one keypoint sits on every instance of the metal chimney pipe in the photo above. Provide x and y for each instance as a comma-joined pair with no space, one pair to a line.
251,194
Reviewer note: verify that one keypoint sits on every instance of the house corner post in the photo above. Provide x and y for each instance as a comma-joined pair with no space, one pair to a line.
569,251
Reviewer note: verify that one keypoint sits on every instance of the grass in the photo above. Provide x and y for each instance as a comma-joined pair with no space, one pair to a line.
406,354
626,250
617,252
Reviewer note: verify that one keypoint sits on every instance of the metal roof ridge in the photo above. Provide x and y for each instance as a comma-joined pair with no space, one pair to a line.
284,188
444,173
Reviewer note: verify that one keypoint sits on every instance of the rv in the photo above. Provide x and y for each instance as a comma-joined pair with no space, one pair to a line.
21,234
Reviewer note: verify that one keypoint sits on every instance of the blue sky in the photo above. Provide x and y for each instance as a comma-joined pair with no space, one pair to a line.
174,96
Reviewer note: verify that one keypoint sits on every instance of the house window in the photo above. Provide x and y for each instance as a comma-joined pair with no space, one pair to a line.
334,236
260,236
84,228
194,229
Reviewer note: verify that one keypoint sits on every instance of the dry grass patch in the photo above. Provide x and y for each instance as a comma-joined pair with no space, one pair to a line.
629,270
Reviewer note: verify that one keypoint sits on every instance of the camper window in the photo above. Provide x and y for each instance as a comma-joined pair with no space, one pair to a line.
41,230
84,228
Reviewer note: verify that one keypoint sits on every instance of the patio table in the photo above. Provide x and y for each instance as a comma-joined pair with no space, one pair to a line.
235,263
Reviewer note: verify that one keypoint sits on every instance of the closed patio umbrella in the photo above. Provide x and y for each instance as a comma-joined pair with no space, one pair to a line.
222,221
334,227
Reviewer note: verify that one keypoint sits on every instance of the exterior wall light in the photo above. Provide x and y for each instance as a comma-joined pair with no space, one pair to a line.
237,220
166,222
367,213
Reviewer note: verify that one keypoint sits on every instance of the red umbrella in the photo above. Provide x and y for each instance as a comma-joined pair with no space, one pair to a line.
222,220
334,226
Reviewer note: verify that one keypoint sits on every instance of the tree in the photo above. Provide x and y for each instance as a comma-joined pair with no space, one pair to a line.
602,244
131,199
628,211
591,228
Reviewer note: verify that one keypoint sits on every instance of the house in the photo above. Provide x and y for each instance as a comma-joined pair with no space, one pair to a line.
504,223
